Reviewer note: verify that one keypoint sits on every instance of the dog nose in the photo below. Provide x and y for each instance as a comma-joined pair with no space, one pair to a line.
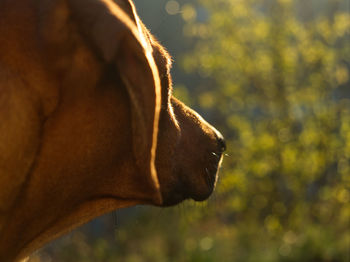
221,142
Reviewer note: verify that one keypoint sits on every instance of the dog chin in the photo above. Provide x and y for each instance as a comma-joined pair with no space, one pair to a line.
203,194
184,192
176,193
173,199
176,198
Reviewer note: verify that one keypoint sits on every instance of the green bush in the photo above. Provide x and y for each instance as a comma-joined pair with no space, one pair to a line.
280,91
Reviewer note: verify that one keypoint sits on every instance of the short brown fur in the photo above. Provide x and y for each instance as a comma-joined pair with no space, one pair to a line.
88,121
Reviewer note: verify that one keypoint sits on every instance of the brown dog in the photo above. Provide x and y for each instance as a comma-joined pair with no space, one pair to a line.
88,121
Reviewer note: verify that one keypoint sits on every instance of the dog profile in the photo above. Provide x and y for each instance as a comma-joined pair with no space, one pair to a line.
88,121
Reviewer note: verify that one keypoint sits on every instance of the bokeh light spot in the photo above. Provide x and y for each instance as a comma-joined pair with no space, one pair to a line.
206,243
172,7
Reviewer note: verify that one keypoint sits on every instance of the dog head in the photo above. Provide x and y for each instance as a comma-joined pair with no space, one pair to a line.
90,122
188,150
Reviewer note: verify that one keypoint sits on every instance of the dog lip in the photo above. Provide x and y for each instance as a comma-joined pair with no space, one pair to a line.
210,177
213,169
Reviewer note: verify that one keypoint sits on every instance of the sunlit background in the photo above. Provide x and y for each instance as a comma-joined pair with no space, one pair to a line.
274,77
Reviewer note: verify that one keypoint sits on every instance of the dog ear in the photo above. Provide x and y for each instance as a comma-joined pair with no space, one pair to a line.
119,42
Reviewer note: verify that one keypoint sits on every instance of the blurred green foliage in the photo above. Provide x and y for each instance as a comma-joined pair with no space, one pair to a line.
276,82
281,83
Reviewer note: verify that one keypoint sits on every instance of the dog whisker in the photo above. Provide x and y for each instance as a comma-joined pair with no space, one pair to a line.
216,155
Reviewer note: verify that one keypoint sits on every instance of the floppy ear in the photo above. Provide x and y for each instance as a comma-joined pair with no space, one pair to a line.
118,42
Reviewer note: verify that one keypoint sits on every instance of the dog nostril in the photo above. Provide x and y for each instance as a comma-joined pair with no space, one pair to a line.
221,143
